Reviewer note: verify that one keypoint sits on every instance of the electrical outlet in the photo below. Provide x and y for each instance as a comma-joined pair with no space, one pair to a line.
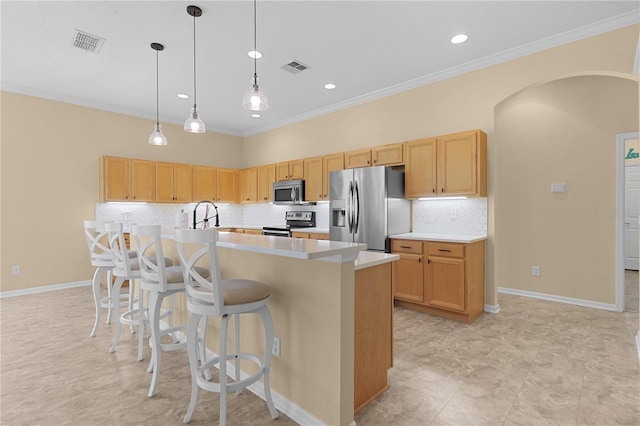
275,351
16,270
535,271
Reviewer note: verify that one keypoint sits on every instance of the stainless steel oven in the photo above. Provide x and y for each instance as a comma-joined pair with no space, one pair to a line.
294,220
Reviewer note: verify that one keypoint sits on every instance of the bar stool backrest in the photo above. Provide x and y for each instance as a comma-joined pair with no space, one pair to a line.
119,250
198,287
96,235
148,241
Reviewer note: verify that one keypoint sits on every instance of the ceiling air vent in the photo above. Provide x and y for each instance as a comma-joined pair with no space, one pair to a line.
295,67
87,42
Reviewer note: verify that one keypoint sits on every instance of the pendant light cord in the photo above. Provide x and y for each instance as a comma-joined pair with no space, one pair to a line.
194,61
157,90
255,45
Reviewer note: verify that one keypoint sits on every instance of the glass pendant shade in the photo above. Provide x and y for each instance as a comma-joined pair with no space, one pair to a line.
194,124
157,138
255,99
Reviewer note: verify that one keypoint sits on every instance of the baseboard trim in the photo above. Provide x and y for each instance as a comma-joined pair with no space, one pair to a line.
492,309
282,403
561,299
43,289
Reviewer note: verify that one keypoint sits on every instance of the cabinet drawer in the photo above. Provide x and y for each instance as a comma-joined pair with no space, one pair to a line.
406,246
445,249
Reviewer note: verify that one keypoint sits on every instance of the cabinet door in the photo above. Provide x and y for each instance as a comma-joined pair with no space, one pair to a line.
359,158
282,171
182,183
266,177
313,179
248,185
420,168
457,164
330,163
296,169
388,155
164,182
205,183
298,234
408,277
445,284
226,181
115,179
143,180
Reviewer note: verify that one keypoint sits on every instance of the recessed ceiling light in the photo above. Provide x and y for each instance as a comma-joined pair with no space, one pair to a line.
183,96
256,115
254,54
329,86
459,38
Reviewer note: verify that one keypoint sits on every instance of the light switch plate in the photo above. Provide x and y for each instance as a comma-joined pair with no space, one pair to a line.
558,187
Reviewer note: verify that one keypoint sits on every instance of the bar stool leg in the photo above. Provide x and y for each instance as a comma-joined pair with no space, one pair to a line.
109,285
268,333
223,369
96,298
192,336
141,314
155,304
115,302
237,350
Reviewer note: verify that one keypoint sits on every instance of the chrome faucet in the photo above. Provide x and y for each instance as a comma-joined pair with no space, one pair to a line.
205,221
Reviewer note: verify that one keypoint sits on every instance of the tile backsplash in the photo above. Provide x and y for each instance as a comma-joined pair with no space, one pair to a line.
460,217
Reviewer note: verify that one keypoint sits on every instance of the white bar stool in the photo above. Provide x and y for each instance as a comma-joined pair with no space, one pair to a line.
101,258
221,298
160,282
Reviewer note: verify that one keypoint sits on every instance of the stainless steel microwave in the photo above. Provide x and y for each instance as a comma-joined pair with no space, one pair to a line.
288,192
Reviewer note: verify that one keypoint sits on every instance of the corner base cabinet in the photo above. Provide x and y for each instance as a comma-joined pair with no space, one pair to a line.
440,278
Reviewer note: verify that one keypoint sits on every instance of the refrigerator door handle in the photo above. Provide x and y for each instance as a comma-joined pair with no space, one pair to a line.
357,208
349,206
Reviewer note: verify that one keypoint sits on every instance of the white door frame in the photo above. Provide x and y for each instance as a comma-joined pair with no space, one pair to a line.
620,154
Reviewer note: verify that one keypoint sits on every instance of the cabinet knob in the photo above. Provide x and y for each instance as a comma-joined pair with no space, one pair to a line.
433,190
419,260
375,161
441,189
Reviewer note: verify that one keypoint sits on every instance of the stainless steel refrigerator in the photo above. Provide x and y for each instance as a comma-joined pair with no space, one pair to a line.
367,205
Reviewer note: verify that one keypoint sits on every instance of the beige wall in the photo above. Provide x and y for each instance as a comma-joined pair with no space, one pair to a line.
561,132
62,164
50,153
459,103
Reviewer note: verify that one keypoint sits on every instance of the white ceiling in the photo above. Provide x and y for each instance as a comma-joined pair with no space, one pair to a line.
368,48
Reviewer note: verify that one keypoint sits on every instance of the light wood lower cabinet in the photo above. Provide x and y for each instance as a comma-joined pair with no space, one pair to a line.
310,235
373,337
452,280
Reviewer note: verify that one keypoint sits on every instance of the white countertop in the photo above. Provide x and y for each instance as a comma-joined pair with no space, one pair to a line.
367,259
298,248
447,238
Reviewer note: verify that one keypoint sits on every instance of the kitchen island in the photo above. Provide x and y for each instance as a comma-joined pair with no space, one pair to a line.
326,299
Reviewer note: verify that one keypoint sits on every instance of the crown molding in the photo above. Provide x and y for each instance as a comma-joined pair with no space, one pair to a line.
614,23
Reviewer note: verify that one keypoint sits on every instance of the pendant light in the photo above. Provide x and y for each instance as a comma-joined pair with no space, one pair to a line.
194,124
255,99
157,138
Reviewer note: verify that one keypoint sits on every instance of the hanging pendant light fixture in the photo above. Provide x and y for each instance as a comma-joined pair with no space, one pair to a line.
194,124
255,99
157,138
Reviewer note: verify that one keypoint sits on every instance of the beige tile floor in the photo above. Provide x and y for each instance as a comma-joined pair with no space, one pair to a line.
536,362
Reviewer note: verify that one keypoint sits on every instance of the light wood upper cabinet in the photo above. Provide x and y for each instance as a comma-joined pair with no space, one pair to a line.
388,155
227,185
124,179
115,179
447,166
359,158
313,179
205,183
330,163
420,168
290,170
174,182
248,185
266,177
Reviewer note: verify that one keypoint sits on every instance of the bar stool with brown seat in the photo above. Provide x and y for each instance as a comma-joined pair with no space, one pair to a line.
215,297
